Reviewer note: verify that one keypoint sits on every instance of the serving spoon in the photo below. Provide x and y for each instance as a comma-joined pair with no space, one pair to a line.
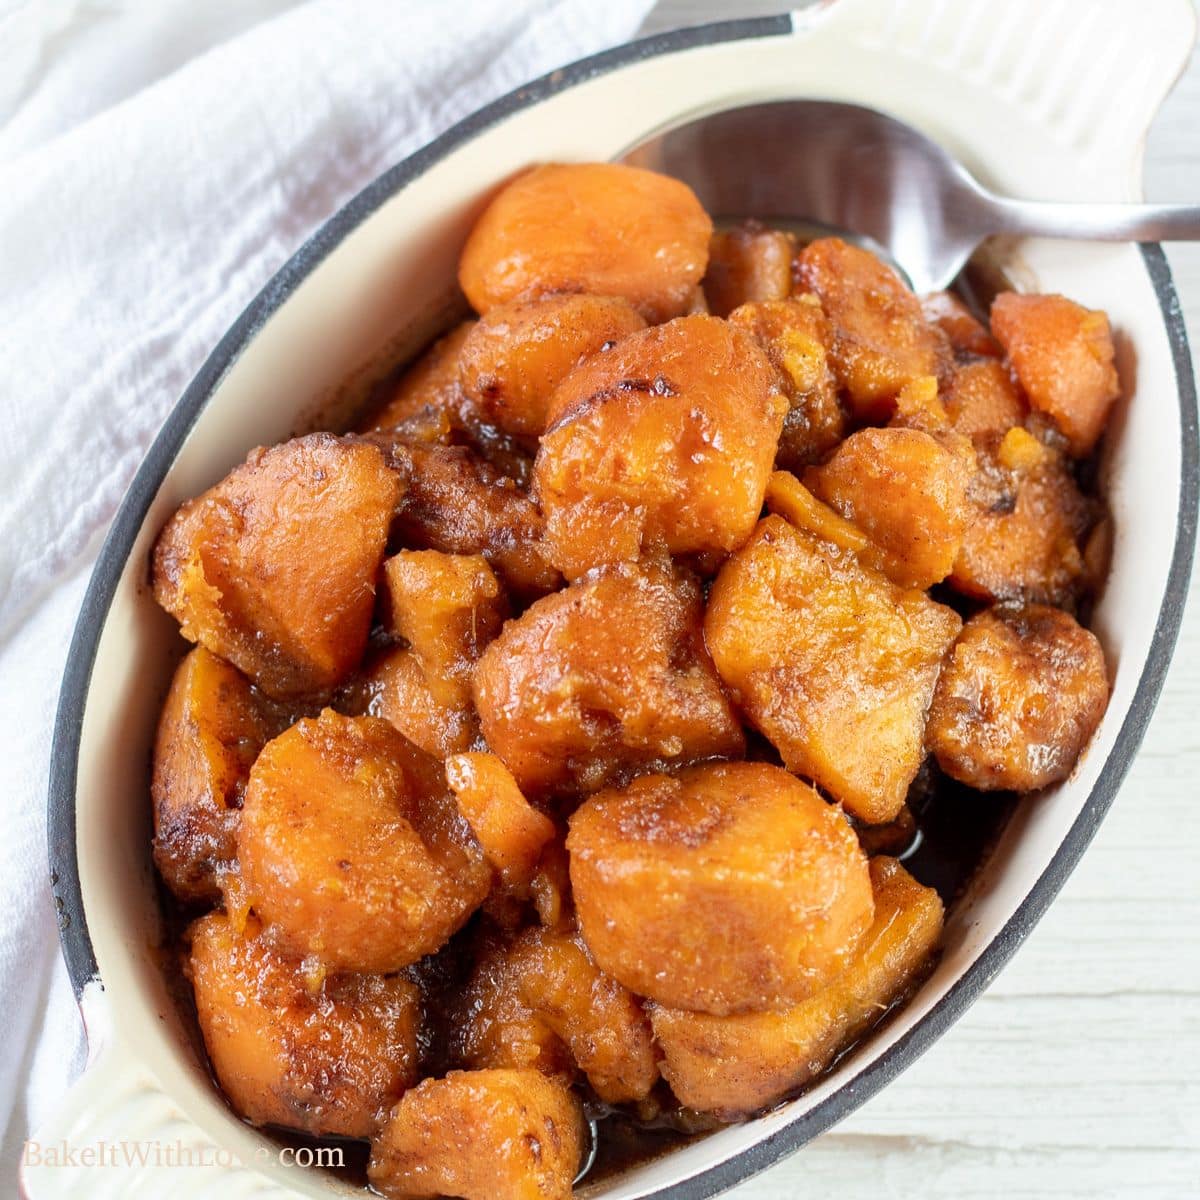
852,171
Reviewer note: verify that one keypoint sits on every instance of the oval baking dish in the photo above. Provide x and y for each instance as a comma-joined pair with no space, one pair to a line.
376,281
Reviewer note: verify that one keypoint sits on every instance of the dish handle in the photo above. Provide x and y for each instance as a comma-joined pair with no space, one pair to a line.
1094,74
118,1135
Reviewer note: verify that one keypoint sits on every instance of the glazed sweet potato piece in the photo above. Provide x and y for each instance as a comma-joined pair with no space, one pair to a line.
481,1135
446,607
212,726
274,567
907,492
796,336
395,687
663,442
1028,519
608,675
511,831
731,887
967,336
492,1025
517,355
734,1065
431,386
541,1001
831,661
982,401
326,1060
351,848
788,498
458,503
601,228
1019,698
747,265
1063,356
880,336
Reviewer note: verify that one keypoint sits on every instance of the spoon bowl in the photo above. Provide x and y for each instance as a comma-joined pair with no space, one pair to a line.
850,170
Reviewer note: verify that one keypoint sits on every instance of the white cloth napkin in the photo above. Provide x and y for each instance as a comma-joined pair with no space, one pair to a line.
152,177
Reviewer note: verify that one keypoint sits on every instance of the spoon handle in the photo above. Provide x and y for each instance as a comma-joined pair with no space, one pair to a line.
1099,222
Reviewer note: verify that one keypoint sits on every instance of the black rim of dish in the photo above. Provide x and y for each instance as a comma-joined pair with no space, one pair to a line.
875,1073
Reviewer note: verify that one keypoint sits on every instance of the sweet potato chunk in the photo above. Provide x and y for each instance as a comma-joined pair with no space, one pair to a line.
967,336
329,1060
608,675
746,265
1020,696
732,887
602,228
907,492
432,385
1022,542
210,731
460,504
788,498
517,355
834,664
540,1000
274,567
395,687
511,831
880,338
447,607
982,401
213,725
734,1065
796,336
352,850
1063,356
664,441
481,1135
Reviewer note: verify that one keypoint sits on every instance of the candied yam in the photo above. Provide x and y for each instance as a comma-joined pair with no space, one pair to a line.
395,686
1022,542
832,662
460,504
880,337
1020,696
606,676
550,888
919,406
907,492
481,1135
796,336
602,228
731,887
492,1024
735,1065
982,400
517,355
511,831
788,498
663,442
352,850
274,567
428,389
330,1060
1063,356
541,1001
745,265
211,728
966,334
447,607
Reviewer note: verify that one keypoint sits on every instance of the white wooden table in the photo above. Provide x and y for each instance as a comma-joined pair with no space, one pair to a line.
1078,1072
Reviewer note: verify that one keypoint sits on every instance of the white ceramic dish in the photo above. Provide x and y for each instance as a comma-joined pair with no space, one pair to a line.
1010,90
